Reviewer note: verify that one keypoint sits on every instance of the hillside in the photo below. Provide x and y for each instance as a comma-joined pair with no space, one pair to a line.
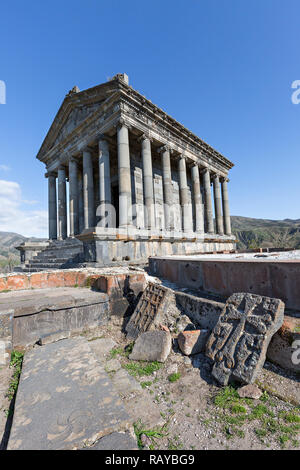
255,233
9,256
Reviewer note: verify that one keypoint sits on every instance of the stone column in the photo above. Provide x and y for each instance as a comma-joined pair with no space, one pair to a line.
125,216
187,217
167,186
73,197
88,190
218,206
199,215
80,202
52,206
208,203
225,202
62,204
104,182
148,182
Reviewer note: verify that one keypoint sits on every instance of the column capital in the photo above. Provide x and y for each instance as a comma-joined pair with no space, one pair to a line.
145,136
204,170
122,122
73,160
50,173
102,137
165,148
61,167
224,179
215,176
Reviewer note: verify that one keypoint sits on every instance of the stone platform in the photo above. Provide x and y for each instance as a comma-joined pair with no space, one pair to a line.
224,276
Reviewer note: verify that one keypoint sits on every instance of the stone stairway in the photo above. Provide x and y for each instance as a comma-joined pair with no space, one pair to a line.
59,254
70,398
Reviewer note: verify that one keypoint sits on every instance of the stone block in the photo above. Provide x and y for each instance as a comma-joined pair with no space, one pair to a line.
53,337
284,348
192,342
239,341
6,328
152,346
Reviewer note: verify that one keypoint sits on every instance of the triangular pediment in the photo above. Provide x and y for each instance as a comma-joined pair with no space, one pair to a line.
75,109
75,118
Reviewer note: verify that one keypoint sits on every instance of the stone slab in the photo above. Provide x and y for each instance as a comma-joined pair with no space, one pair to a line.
6,332
65,399
102,347
152,346
115,441
42,312
239,342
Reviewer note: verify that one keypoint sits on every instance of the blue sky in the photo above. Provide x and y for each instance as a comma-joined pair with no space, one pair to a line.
223,68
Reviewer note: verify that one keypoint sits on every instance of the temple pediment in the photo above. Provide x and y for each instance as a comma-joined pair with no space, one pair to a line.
74,119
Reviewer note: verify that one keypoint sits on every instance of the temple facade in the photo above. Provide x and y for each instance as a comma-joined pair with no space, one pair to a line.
130,182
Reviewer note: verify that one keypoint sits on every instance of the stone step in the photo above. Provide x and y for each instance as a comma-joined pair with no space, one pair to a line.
49,261
65,400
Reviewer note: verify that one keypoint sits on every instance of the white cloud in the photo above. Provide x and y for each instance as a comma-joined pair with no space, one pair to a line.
15,218
4,168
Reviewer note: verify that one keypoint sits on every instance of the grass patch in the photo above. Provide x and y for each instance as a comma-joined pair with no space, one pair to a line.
237,408
116,352
173,377
226,397
153,434
16,361
142,368
146,384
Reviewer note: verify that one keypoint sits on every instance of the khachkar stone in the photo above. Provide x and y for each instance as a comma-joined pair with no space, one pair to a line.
239,341
149,311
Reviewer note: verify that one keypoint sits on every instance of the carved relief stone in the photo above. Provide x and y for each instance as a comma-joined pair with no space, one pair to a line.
240,339
149,310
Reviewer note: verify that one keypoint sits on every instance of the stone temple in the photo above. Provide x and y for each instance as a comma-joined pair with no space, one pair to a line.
126,181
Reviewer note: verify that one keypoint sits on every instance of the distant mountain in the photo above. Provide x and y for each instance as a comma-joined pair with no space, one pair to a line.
9,256
255,233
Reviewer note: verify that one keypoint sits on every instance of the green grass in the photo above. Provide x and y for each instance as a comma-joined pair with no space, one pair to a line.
141,368
226,397
16,361
153,434
146,384
173,377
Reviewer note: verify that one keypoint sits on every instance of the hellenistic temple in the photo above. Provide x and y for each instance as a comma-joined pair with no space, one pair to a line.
129,181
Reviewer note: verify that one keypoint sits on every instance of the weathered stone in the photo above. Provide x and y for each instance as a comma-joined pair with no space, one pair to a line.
149,311
53,337
6,335
115,441
112,366
250,391
152,346
145,440
102,346
192,342
65,399
239,341
283,347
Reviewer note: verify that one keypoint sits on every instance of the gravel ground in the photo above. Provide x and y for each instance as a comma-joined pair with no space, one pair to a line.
198,414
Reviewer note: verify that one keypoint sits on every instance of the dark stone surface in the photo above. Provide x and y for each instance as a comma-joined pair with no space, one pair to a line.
239,341
65,399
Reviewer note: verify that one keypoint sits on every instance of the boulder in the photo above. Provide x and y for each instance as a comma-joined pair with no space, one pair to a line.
152,346
192,341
